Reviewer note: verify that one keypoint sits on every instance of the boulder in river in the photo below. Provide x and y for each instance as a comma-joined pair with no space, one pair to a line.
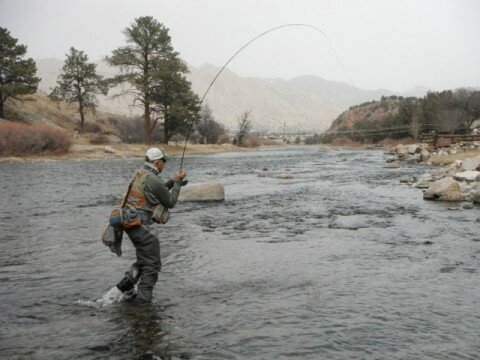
402,150
446,189
467,176
471,164
202,192
476,196
286,175
412,149
425,155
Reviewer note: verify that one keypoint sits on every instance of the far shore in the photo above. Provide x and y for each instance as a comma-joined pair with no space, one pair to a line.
82,150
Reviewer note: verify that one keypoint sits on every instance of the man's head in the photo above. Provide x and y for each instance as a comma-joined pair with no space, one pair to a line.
156,157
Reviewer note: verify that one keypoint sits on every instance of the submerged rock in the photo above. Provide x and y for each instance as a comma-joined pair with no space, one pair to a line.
446,189
202,192
285,175
392,165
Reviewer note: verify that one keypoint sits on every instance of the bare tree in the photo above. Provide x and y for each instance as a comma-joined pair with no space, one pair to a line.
244,126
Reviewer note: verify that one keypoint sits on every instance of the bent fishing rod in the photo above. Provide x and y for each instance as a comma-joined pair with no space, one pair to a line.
240,50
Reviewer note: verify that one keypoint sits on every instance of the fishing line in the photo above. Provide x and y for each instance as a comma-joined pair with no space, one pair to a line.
238,51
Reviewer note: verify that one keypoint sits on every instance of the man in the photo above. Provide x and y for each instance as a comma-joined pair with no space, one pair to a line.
148,194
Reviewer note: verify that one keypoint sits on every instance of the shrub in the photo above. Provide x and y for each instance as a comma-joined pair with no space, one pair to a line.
98,139
251,141
133,131
223,139
21,139
91,127
343,141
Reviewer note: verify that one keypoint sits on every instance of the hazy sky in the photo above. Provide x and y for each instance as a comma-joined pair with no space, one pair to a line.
382,44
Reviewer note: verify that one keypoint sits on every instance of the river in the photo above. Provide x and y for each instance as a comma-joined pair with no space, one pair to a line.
340,262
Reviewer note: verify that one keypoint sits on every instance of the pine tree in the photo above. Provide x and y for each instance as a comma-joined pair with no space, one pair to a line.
78,83
156,76
17,75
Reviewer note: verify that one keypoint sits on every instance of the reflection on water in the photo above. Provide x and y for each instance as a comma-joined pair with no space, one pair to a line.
339,262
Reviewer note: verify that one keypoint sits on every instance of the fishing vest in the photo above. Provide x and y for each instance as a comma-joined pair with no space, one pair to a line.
136,196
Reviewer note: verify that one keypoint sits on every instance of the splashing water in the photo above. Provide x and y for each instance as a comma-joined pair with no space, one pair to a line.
112,296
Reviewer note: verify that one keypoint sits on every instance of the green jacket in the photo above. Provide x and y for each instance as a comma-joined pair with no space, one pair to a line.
148,190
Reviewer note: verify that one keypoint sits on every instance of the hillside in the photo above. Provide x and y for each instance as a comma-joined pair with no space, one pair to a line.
307,103
375,111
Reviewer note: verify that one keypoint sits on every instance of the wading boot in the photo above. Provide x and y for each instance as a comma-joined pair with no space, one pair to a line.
125,285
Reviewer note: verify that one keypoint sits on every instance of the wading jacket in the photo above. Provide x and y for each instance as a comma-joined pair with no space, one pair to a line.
149,191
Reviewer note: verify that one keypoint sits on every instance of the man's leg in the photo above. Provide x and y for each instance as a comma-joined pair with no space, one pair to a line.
147,247
130,279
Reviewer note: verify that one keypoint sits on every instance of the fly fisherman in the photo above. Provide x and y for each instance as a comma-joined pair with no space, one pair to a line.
151,197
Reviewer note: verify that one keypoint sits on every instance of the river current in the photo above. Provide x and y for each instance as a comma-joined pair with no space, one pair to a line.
340,262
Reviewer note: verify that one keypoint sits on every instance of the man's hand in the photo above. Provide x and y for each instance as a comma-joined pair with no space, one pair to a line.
179,177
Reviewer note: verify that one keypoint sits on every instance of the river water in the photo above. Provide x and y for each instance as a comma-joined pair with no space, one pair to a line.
340,262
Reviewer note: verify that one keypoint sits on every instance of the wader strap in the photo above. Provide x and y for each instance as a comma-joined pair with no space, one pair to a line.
125,197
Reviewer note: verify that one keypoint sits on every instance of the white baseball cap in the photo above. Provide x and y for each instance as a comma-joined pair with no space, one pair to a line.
154,154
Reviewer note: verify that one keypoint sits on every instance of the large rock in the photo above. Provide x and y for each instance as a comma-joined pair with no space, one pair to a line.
109,150
476,197
402,150
471,164
446,189
202,192
424,155
467,176
412,149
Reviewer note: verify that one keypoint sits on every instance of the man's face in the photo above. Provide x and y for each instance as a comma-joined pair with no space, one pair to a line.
159,164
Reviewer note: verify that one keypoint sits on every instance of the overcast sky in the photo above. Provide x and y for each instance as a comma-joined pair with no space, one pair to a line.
382,44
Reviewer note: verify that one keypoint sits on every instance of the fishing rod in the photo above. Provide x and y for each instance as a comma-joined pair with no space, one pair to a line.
237,52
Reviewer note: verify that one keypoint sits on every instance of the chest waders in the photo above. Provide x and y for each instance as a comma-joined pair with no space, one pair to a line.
147,246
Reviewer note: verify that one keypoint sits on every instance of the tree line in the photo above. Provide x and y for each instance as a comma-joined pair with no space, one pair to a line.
151,72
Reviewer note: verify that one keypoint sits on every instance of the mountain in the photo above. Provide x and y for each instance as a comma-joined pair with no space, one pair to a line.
305,103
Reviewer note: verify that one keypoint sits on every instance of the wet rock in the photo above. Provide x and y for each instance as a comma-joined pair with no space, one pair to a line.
467,176
424,155
412,149
428,242
401,150
424,181
390,160
471,164
413,159
468,206
405,179
202,192
109,150
476,196
285,175
478,220
446,189
452,152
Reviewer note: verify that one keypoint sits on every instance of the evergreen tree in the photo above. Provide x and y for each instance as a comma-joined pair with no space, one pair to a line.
78,83
156,76
17,75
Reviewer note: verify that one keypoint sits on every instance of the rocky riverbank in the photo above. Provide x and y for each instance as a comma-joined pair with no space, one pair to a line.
456,180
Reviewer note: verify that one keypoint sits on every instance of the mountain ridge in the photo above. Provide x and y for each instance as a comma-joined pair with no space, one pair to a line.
306,103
